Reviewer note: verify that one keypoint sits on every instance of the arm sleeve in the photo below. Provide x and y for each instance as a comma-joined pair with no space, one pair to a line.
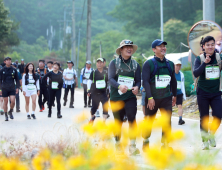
37,85
17,79
173,83
91,76
138,76
198,67
23,83
89,83
146,78
112,74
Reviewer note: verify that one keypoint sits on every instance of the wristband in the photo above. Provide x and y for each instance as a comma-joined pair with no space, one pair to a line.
150,98
118,86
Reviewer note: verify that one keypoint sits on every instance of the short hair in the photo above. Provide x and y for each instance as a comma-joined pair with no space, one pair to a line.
56,63
205,40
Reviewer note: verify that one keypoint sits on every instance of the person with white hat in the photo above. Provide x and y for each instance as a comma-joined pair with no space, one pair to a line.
84,77
181,93
125,81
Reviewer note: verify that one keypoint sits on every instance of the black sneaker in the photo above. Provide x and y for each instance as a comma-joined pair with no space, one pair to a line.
6,117
92,120
10,114
85,106
64,104
33,116
89,105
53,105
28,117
17,110
71,106
181,122
125,118
59,115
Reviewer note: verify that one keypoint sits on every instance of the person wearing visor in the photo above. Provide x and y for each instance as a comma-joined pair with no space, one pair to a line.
71,82
125,81
8,77
21,67
207,70
160,84
84,77
181,93
96,88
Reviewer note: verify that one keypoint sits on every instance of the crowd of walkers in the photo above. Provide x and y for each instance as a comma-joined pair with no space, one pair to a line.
161,82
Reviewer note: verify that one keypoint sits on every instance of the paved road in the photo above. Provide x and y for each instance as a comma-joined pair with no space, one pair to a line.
52,129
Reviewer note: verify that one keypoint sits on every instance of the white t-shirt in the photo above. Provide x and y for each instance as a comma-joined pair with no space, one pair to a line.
69,74
86,74
30,86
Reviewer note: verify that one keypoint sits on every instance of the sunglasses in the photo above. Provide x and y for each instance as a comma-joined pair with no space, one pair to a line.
128,42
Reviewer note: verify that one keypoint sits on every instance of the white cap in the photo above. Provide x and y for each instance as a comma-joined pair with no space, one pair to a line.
177,62
88,62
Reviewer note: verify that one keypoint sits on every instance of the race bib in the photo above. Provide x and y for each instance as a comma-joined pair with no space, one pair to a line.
69,75
127,81
31,87
87,75
100,84
178,85
55,85
212,73
162,82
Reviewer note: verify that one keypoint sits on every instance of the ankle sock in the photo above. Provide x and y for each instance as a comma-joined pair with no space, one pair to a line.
180,117
27,113
33,112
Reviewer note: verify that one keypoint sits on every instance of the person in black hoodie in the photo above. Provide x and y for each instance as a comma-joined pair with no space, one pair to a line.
55,86
8,76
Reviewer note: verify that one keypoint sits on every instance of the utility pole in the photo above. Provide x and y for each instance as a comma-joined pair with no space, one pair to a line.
161,18
100,50
73,57
209,10
88,47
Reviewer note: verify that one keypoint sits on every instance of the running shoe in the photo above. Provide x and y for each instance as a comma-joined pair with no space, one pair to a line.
92,120
89,105
28,117
181,122
17,110
59,115
64,104
33,116
97,114
71,106
2,112
85,106
124,118
133,150
10,114
6,117
43,108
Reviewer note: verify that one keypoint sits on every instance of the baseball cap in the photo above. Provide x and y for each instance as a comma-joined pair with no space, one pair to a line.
100,59
14,64
177,62
88,62
7,58
157,42
70,62
22,59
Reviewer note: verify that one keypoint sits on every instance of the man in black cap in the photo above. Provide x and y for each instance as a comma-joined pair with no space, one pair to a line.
41,70
8,76
71,82
21,67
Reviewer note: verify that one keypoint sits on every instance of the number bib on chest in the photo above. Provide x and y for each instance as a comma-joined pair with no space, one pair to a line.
212,73
127,81
100,84
69,75
31,87
87,75
55,85
162,82
178,85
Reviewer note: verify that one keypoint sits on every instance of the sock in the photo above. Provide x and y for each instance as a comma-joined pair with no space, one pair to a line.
180,117
27,113
33,112
132,142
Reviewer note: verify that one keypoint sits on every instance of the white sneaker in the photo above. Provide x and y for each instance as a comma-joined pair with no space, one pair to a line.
97,114
205,145
212,142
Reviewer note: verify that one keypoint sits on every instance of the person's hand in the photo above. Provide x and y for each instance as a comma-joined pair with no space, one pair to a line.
21,89
208,59
81,84
88,94
135,90
0,92
151,104
24,93
16,91
123,88
38,93
174,101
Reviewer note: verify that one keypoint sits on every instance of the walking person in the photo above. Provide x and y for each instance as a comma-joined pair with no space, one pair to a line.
43,96
71,82
31,88
207,70
8,77
21,66
97,85
125,80
55,88
49,68
1,100
181,93
159,82
84,77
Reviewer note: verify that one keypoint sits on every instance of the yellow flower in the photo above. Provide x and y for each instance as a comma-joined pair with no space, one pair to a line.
115,106
57,163
75,162
81,117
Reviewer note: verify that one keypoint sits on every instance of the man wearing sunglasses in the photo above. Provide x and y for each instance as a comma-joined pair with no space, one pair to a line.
125,80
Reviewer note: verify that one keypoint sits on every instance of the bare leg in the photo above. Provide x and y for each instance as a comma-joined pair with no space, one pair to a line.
12,99
27,104
34,96
144,110
180,110
1,102
5,105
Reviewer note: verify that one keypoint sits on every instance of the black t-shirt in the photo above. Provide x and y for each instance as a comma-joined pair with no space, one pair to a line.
98,77
54,78
41,73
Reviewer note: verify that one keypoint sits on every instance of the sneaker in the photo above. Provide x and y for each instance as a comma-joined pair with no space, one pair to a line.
89,105
205,145
6,117
181,122
40,110
97,114
33,116
145,145
71,106
124,118
17,110
212,142
53,105
59,115
49,114
92,120
28,117
2,112
10,114
133,150
64,104
43,108
85,106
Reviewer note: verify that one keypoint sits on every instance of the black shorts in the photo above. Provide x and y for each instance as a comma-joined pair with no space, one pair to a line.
179,99
7,93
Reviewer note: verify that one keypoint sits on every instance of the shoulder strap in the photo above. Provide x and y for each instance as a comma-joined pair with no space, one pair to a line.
84,71
117,64
168,66
45,71
218,60
202,58
134,66
93,75
155,68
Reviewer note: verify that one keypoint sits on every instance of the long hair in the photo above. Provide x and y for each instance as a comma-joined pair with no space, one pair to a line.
27,70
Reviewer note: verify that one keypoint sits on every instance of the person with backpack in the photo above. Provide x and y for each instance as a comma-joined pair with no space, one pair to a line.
181,93
96,88
1,100
55,88
8,77
71,82
125,81
160,84
207,70
49,68
84,77
21,66
43,96
31,88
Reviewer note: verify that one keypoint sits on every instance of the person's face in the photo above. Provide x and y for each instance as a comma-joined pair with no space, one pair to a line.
99,64
56,67
160,50
8,62
127,51
209,47
41,64
49,65
70,65
22,62
104,64
30,67
88,65
177,67
218,43
16,62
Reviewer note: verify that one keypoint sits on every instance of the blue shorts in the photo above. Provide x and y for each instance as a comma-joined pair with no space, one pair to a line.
143,98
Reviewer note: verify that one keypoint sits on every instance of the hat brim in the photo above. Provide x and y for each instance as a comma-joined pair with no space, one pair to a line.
164,42
135,47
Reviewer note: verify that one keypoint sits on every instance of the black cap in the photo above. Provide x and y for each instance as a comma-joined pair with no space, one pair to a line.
70,62
7,58
42,61
50,62
104,59
158,42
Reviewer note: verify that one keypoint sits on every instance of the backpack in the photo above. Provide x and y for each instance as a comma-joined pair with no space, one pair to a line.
118,64
156,68
84,71
202,58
